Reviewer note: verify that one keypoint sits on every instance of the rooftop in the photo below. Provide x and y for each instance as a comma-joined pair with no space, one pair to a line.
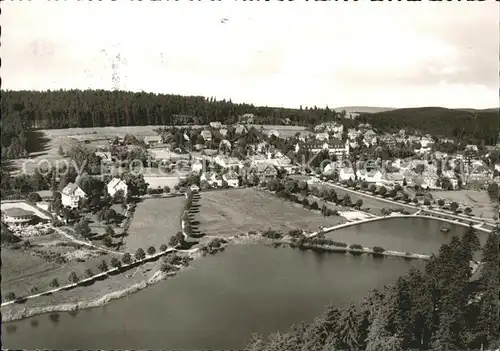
18,212
70,189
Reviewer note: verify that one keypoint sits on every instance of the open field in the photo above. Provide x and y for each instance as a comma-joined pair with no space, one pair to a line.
44,144
25,206
155,220
478,201
230,212
284,131
37,265
160,182
98,290
375,206
43,150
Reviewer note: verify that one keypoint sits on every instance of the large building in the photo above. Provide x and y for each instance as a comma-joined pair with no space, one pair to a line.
115,185
71,195
17,216
335,147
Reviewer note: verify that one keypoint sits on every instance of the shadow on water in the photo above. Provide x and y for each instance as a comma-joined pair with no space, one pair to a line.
36,141
54,317
73,313
34,323
11,328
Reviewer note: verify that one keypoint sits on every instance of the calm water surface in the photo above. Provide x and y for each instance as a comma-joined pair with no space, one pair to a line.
419,235
220,300
215,304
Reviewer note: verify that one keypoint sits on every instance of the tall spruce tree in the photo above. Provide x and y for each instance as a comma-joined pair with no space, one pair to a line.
488,320
421,310
348,328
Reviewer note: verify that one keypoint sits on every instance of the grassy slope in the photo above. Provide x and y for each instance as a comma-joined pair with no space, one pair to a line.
230,212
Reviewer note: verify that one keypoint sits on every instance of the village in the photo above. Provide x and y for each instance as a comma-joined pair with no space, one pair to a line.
111,201
216,156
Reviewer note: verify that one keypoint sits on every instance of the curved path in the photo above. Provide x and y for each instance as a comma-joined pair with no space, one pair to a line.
435,212
94,277
81,242
353,223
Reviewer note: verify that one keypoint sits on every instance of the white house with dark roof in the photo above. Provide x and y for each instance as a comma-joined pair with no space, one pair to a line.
231,178
226,161
115,185
370,137
346,173
71,195
216,125
273,132
207,136
152,140
212,178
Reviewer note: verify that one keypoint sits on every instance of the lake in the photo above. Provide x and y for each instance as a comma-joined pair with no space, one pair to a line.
220,300
418,235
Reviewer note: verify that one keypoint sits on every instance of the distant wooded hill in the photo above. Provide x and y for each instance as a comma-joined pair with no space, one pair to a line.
473,125
23,110
362,109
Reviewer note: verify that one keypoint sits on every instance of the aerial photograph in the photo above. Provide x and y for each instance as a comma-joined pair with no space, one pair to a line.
250,175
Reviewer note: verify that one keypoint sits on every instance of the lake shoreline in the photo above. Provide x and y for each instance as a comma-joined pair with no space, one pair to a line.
13,313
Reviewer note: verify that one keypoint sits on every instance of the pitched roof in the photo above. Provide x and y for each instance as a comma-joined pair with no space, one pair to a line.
263,167
70,189
114,182
18,212
152,138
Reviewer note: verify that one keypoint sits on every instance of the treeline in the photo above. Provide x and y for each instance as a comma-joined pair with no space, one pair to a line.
99,108
440,308
470,126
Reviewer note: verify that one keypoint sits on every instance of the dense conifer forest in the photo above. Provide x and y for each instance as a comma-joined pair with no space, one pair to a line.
438,309
26,110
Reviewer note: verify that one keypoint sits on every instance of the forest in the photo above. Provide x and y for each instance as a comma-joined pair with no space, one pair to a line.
99,108
472,126
439,308
26,110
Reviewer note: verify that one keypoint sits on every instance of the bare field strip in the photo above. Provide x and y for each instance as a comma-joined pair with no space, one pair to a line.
22,270
230,212
155,220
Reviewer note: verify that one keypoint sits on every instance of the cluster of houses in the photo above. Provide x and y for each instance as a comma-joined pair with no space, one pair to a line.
231,170
475,175
72,193
333,138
